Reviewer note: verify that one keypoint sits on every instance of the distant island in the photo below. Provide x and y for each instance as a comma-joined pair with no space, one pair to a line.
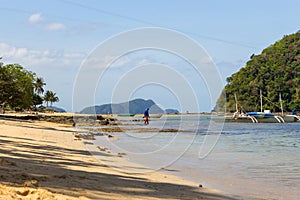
275,71
136,106
56,109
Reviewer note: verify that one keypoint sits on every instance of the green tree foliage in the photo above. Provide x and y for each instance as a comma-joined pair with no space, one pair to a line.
39,85
50,97
37,100
16,86
276,70
20,89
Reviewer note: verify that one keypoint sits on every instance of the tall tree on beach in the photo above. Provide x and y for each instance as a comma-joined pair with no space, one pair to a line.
38,85
38,88
50,97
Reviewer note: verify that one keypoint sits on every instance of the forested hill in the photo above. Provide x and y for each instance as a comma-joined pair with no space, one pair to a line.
276,70
136,106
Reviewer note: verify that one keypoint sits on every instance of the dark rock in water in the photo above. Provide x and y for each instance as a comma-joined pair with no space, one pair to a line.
99,117
136,106
104,122
58,119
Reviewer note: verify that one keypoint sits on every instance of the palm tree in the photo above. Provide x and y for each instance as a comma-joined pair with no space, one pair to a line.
50,97
38,85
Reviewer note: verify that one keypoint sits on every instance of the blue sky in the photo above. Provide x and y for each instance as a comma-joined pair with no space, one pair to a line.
52,38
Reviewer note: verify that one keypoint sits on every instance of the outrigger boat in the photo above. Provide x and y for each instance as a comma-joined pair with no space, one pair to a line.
288,118
238,116
257,117
266,117
251,117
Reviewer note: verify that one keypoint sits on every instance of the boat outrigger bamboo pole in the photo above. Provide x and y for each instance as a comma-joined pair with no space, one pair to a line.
281,104
236,103
261,108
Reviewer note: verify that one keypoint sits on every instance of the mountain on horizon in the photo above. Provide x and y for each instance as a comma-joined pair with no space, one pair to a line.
56,109
136,106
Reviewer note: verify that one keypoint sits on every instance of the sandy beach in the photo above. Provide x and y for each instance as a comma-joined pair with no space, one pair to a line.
44,160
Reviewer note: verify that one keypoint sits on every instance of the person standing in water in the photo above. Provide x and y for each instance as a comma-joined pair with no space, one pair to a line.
146,116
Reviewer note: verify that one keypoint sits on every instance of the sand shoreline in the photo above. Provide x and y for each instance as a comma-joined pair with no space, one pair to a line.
44,160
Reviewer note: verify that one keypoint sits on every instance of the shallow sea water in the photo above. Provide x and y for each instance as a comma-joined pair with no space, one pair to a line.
255,161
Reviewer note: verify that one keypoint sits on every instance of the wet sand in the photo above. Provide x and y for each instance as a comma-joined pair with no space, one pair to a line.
44,160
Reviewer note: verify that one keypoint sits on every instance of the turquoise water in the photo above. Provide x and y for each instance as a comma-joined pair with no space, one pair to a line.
256,161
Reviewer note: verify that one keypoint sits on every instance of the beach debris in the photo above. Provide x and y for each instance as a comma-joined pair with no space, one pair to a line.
166,169
111,129
87,136
23,193
200,185
112,137
121,154
31,183
88,143
102,148
104,122
169,130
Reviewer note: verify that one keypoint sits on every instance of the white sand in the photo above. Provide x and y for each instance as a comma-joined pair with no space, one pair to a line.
42,160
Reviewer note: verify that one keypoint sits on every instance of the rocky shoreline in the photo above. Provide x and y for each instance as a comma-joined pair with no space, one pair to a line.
61,118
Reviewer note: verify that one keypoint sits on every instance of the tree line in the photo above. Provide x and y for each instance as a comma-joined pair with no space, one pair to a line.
21,89
275,71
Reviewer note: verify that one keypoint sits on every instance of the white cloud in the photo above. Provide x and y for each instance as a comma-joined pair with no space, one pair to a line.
35,18
38,58
54,26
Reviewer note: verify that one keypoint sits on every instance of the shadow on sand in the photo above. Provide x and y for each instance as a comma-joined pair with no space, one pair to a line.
41,164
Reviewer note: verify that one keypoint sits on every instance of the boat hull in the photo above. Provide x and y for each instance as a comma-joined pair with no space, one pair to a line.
230,118
256,118
269,120
291,118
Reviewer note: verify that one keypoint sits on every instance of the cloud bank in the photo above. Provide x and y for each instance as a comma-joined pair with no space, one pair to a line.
30,57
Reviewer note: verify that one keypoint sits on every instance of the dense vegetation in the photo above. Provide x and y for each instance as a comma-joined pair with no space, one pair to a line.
20,89
276,70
